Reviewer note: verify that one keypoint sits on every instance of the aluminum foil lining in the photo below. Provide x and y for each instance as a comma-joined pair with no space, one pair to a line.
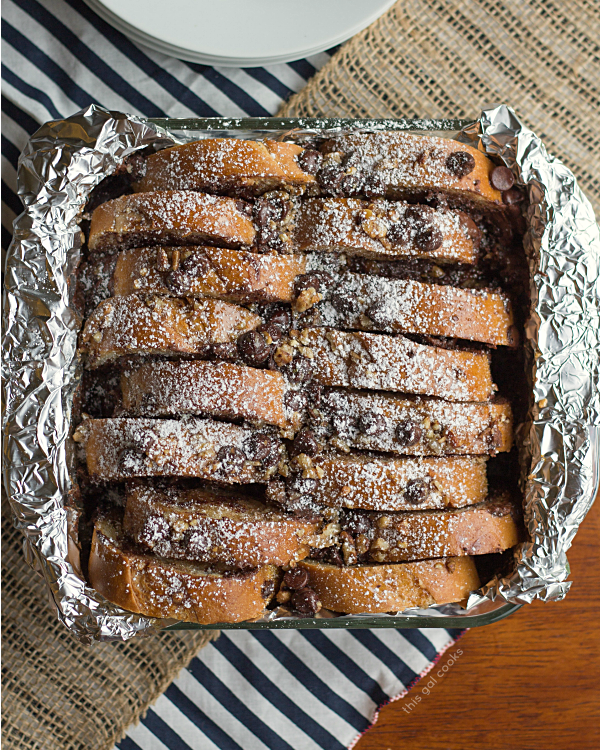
64,160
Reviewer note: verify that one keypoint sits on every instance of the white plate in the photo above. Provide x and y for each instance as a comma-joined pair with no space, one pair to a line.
240,32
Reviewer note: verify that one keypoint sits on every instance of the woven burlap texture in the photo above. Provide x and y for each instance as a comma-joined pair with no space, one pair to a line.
449,58
60,695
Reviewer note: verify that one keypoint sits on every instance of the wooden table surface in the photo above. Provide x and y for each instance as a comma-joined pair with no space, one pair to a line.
538,671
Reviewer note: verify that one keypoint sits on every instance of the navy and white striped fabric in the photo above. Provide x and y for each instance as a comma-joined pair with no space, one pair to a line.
261,690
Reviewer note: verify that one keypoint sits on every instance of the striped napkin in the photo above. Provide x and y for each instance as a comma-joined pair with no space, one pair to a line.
275,690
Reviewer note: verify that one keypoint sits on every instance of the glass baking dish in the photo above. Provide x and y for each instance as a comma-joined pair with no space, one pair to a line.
259,127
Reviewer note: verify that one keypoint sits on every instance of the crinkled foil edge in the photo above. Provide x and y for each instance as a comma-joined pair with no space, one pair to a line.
64,160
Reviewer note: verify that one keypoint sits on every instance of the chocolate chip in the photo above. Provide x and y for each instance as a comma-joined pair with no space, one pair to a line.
267,209
398,233
299,370
330,178
135,166
227,352
306,602
231,459
305,442
253,348
345,303
502,178
244,207
263,448
370,423
281,317
379,314
374,187
306,281
416,491
314,393
408,433
195,265
297,578
471,229
356,523
267,590
273,330
351,184
512,196
428,239
310,160
294,400
460,163
178,281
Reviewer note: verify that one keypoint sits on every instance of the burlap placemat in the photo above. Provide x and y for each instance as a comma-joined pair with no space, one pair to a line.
60,695
448,58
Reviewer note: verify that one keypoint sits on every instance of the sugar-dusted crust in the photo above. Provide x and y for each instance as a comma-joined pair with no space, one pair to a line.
170,218
406,165
226,165
210,526
161,325
368,482
122,448
371,303
414,426
394,363
382,230
480,530
220,389
191,592
235,275
393,587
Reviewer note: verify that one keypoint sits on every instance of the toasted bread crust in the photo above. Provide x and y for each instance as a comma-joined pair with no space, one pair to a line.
366,229
234,275
480,530
393,363
185,591
393,587
370,303
118,449
204,526
432,427
225,165
382,483
229,391
161,325
411,165
169,218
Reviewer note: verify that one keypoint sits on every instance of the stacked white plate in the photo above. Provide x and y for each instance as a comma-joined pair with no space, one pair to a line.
240,33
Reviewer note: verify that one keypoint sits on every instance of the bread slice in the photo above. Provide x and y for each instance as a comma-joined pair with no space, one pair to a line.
211,526
219,389
158,325
369,482
234,275
394,363
357,589
400,165
226,165
415,426
122,448
371,303
170,218
383,230
191,592
402,537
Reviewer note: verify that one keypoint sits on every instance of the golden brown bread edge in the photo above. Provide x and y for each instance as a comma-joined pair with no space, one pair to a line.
122,448
172,217
207,525
159,325
190,592
219,389
234,275
226,165
392,587
405,165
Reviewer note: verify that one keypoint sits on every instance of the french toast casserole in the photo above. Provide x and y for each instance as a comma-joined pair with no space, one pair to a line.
301,370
